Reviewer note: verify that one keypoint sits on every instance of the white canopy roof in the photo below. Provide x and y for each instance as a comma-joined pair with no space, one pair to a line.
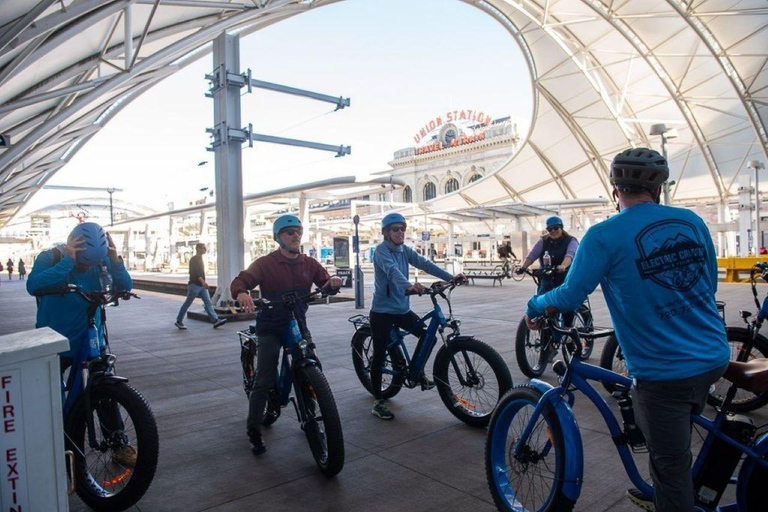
603,72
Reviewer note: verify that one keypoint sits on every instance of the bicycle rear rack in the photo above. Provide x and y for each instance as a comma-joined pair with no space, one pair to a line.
359,321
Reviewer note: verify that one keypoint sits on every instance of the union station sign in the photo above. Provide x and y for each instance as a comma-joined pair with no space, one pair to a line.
475,116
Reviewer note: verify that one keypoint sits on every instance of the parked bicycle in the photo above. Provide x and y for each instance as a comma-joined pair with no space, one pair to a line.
108,426
612,358
301,370
470,375
536,349
528,467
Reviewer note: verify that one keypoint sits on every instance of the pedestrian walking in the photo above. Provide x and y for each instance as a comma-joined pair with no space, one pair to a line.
198,287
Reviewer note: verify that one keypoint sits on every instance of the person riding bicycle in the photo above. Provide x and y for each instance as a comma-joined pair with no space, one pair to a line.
391,306
82,261
279,272
657,268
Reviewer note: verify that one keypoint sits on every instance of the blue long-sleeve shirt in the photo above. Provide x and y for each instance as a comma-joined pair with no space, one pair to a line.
658,271
390,263
67,314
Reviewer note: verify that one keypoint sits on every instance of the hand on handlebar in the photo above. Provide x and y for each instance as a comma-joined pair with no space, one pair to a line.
520,270
246,301
534,324
416,289
459,279
334,283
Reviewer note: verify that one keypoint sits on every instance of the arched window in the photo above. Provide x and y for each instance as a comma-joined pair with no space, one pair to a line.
430,191
407,195
451,185
475,177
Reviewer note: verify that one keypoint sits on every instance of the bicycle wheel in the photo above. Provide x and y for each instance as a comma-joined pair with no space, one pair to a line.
362,354
744,401
532,481
323,426
582,321
118,471
515,276
486,378
528,349
612,358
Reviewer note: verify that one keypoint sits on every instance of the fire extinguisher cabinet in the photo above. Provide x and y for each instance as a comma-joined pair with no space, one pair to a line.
33,474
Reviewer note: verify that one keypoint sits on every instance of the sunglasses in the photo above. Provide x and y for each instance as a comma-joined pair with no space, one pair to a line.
398,229
554,228
291,232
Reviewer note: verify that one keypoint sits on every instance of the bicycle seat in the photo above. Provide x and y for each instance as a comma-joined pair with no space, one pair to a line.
751,376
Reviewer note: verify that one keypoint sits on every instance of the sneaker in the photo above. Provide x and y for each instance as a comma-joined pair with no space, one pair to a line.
381,410
426,383
218,323
125,456
640,499
180,326
257,443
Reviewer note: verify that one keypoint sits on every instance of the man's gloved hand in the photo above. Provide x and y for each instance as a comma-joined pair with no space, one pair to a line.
520,270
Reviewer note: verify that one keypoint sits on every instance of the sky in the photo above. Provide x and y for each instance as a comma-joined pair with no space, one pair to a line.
402,63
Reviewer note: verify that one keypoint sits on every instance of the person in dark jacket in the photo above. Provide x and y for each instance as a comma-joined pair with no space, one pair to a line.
22,270
9,264
198,287
282,271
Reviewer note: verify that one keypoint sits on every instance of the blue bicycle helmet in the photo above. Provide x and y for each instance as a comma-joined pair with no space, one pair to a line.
554,221
393,218
283,222
95,243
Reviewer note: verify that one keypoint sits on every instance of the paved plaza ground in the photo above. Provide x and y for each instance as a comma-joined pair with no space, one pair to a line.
424,460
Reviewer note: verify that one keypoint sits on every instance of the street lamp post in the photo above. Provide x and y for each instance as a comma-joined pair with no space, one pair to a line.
757,165
666,134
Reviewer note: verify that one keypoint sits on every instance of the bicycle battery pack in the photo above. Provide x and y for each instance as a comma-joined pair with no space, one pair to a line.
722,460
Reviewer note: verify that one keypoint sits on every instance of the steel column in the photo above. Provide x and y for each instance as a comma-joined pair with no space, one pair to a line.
230,242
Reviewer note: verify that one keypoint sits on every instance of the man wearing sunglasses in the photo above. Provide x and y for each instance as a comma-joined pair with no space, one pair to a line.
279,272
391,306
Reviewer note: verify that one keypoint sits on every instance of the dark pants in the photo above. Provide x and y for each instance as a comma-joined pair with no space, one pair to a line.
664,411
267,358
381,327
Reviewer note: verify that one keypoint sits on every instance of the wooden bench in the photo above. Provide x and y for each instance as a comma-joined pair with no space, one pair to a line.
473,274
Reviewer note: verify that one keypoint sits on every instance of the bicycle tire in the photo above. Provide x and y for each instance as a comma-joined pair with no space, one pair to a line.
515,276
97,474
755,496
362,353
323,429
504,472
476,408
528,345
744,401
612,358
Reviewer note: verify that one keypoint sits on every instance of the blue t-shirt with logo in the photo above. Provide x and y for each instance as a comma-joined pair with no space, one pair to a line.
658,271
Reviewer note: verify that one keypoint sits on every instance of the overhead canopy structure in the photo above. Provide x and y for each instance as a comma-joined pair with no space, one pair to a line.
603,72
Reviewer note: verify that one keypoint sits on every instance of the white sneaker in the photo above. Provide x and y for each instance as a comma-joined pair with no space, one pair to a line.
180,325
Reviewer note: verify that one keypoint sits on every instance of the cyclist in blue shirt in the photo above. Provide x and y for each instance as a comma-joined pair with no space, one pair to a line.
391,306
88,251
657,268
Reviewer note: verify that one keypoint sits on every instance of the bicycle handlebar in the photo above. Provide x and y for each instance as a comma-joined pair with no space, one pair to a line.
291,299
436,288
91,297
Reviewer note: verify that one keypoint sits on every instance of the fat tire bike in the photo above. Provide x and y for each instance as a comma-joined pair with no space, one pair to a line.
534,456
104,416
302,372
535,349
470,375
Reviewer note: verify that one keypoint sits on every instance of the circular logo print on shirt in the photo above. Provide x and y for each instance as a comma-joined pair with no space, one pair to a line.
671,254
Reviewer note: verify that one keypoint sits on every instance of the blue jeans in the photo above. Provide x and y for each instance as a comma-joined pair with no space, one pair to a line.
194,291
